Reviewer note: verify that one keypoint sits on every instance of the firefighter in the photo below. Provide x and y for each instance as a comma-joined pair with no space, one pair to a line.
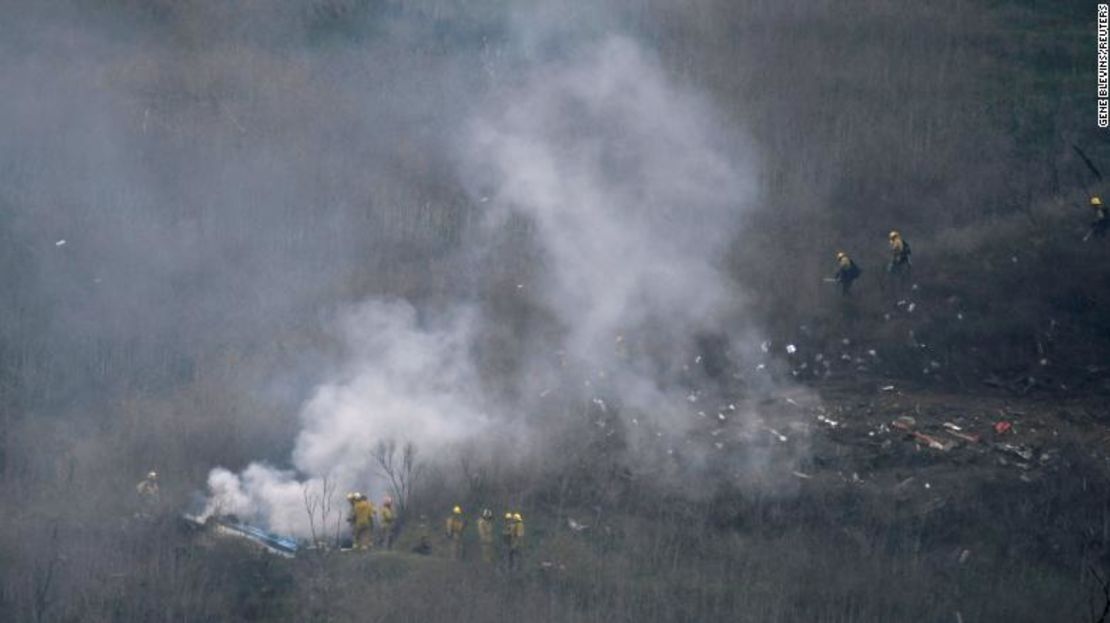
846,272
485,535
352,497
454,529
1101,224
362,522
899,255
507,538
387,522
516,539
149,494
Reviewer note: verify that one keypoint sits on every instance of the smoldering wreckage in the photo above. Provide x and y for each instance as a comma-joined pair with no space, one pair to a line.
902,439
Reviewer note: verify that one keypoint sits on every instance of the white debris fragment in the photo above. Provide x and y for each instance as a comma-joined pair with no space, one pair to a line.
1014,259
873,353
951,426
761,366
825,420
934,364
802,476
791,349
1044,362
914,287
846,341
60,243
600,404
777,435
731,407
959,316
911,307
701,414
721,417
692,397
765,346
793,402
928,486
846,357
519,286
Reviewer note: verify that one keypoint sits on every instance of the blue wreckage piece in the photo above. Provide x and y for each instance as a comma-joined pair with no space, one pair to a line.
230,525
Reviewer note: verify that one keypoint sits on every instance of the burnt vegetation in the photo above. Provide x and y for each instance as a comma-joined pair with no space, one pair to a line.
189,189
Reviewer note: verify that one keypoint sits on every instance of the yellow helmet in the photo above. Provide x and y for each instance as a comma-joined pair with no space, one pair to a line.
508,516
456,511
352,496
841,255
1095,201
517,517
152,475
894,234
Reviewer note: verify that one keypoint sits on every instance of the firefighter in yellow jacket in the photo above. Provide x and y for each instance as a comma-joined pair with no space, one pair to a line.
387,517
846,272
899,254
515,529
485,534
1101,224
149,494
454,530
362,521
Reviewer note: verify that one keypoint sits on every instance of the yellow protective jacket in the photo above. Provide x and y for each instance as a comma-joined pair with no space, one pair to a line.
363,513
387,515
516,540
485,530
455,526
899,250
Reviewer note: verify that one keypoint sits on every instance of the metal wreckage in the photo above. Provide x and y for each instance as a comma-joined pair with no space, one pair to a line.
231,526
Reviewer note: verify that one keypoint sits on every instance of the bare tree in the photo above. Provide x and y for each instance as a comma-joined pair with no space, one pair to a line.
402,471
319,505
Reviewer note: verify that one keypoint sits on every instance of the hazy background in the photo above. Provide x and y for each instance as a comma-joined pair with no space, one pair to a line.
263,236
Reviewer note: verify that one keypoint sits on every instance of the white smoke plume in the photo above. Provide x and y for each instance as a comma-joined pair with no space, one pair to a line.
633,188
403,381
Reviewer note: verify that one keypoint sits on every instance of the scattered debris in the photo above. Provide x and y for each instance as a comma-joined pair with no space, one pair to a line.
1023,452
968,437
791,349
904,422
886,388
778,435
932,442
60,243
802,475
575,526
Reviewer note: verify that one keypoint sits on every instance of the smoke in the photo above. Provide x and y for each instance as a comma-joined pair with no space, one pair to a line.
634,188
630,188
